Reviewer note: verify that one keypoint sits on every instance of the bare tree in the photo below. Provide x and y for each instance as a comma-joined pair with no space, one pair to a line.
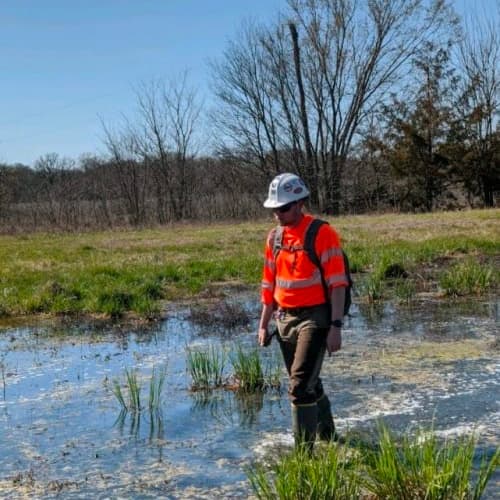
342,59
4,193
55,195
246,117
183,110
159,145
479,59
131,174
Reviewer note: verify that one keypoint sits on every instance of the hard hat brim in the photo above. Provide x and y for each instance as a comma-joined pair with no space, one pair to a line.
273,204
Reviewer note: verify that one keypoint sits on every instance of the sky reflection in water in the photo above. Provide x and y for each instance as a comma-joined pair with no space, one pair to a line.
62,430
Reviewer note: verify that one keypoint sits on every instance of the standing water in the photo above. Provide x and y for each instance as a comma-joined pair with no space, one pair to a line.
63,432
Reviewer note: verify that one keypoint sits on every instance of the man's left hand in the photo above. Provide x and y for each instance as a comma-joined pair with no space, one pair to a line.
334,340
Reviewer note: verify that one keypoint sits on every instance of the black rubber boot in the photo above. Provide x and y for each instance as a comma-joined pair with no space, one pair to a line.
326,425
305,423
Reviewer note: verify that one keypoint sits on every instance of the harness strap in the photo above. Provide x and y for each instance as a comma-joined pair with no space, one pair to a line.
309,240
276,239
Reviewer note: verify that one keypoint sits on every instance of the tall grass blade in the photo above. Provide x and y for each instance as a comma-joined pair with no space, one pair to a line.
117,391
486,470
134,390
155,388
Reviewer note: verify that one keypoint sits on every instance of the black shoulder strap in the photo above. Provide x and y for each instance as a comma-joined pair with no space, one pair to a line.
310,240
276,240
309,247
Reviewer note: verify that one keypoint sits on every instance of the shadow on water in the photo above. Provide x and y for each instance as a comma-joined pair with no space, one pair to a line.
64,432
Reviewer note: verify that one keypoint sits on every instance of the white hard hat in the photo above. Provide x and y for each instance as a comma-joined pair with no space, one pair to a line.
285,188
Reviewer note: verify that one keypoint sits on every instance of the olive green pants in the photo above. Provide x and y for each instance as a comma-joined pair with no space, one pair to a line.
302,339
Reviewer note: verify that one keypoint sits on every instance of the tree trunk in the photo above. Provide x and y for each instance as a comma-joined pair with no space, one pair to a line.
310,178
333,192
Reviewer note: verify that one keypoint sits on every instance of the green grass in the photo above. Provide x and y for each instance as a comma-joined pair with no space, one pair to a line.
373,288
405,290
136,271
131,406
132,401
329,473
117,391
467,278
417,466
134,390
248,369
421,467
156,388
206,367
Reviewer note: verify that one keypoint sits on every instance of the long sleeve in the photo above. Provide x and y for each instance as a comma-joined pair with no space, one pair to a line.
268,273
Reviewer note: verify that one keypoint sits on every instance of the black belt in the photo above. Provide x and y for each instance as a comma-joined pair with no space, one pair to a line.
299,310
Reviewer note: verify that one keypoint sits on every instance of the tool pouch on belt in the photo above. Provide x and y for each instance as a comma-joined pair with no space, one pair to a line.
269,337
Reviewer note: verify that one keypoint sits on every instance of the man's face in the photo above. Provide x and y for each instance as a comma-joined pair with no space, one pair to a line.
289,214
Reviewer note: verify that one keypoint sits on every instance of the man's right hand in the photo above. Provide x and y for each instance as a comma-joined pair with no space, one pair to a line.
262,336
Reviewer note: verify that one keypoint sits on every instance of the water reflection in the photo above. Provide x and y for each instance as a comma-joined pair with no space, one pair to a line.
408,365
154,421
228,407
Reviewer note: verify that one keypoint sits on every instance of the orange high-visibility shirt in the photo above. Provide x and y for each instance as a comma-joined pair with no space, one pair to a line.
292,280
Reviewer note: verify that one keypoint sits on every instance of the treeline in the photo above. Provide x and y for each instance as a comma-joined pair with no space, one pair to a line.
377,105
102,194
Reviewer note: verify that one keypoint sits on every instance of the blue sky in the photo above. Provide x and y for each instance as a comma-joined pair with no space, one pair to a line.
65,65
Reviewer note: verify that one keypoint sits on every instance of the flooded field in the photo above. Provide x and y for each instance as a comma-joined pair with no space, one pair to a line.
63,434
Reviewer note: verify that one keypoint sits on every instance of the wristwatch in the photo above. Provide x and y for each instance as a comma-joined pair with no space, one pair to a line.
337,323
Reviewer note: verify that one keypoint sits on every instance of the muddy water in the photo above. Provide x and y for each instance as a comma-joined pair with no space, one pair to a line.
62,433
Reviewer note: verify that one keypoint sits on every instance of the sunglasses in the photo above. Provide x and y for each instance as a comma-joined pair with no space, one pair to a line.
285,208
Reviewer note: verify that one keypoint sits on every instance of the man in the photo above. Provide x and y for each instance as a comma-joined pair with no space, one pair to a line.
308,317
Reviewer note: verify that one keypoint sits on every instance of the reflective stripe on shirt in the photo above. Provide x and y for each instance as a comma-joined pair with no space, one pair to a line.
315,279
329,253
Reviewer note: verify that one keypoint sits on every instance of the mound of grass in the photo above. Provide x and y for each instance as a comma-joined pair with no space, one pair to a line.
114,273
467,278
330,473
206,367
415,466
421,467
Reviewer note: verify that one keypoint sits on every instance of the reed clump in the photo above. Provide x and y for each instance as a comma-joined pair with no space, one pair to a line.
247,373
417,467
422,467
251,374
248,370
206,367
329,473
156,388
131,400
467,278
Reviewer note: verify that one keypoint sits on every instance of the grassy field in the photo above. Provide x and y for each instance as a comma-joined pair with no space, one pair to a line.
139,271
